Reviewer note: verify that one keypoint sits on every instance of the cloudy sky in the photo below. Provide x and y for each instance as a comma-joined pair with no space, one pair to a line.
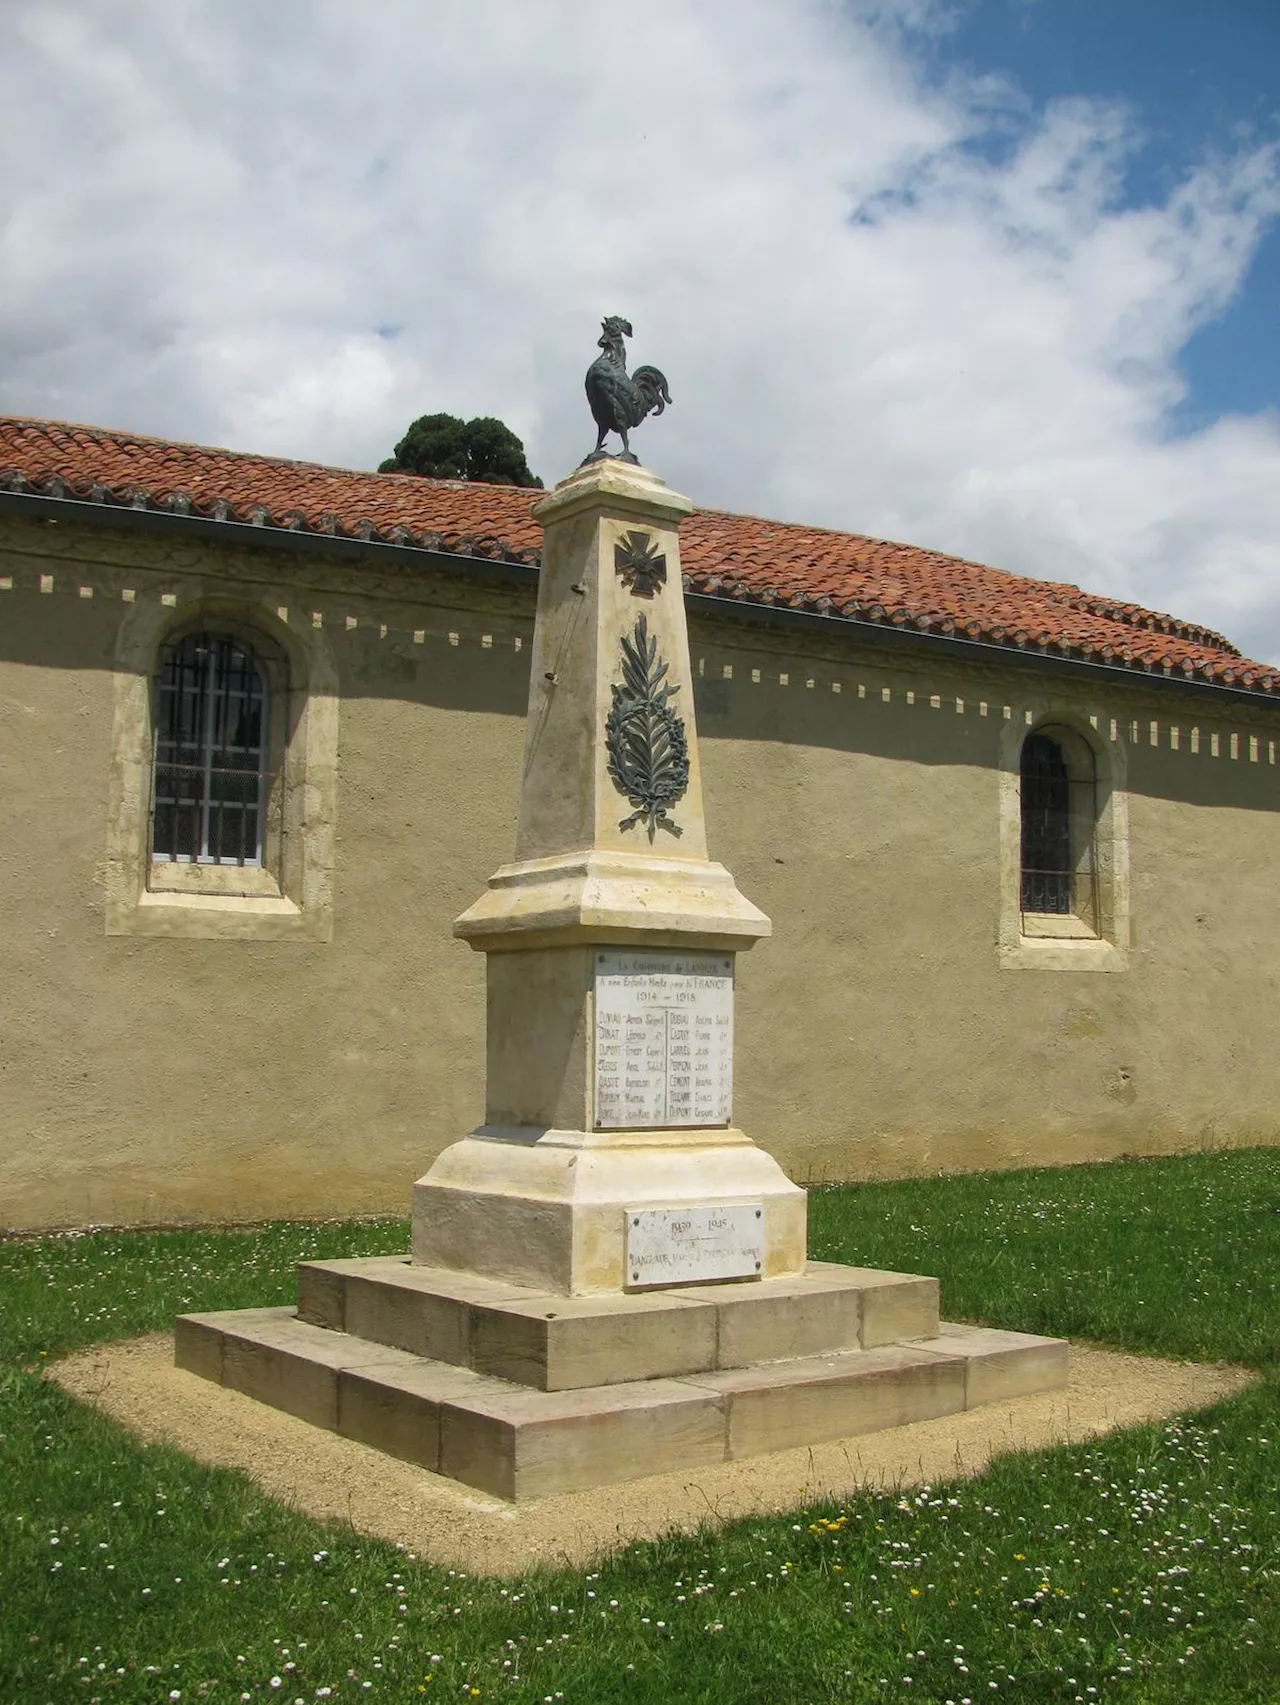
996,276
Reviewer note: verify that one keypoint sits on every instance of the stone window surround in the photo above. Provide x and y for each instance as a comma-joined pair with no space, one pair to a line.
1065,943
290,898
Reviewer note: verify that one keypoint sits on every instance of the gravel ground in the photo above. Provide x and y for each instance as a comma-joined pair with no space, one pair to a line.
332,1478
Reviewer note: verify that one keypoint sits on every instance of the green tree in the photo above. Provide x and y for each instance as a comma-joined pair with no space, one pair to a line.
442,447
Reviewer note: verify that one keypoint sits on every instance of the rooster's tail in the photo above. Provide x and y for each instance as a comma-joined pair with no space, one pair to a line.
652,386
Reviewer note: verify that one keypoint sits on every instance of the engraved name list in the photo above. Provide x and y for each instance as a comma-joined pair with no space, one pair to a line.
664,1039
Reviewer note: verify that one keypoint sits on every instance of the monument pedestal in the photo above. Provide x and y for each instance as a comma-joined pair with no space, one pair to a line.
609,1278
554,1209
526,1394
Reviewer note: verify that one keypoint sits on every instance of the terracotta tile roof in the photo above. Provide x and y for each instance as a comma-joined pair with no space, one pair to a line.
843,575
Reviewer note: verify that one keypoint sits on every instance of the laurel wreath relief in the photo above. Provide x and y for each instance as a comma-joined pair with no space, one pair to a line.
645,739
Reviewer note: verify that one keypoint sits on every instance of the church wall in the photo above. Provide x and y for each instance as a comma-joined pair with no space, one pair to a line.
880,1031
164,1078
172,1077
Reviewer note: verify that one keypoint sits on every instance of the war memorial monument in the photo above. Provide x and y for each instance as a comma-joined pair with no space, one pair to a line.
608,1278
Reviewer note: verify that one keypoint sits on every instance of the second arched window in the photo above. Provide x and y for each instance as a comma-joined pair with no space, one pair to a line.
1059,813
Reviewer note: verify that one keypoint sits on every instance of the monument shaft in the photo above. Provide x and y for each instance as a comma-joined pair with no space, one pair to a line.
610,946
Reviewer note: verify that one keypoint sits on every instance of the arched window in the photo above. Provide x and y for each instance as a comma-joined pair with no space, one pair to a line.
1059,811
210,784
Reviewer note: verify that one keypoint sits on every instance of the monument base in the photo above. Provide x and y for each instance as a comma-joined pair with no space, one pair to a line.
523,1394
549,1209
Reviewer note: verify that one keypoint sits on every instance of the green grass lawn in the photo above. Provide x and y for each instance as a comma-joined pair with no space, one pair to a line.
1141,1567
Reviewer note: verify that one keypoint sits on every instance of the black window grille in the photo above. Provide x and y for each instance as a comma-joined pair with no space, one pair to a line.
210,784
1048,874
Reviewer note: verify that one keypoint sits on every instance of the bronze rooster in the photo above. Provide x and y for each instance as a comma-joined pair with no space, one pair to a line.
620,400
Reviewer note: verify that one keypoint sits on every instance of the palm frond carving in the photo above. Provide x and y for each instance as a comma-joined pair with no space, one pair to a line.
645,739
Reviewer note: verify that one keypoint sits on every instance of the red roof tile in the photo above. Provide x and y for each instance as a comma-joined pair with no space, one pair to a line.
728,556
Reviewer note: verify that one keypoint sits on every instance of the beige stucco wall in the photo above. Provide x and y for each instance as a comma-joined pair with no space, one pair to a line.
156,1078
880,1032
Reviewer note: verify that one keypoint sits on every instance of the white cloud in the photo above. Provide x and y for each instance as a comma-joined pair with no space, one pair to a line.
293,228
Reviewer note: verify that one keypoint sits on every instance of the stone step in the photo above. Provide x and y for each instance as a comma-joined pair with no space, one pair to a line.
558,1343
517,1442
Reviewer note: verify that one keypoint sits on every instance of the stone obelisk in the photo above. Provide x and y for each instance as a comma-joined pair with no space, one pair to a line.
608,1159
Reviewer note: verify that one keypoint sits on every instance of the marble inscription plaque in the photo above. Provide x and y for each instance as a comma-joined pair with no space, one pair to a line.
664,1039
682,1246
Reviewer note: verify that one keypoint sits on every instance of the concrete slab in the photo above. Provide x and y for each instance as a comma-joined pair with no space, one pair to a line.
396,1408
1000,1365
559,1343
273,1356
514,1440
783,1404
567,1343
529,1444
